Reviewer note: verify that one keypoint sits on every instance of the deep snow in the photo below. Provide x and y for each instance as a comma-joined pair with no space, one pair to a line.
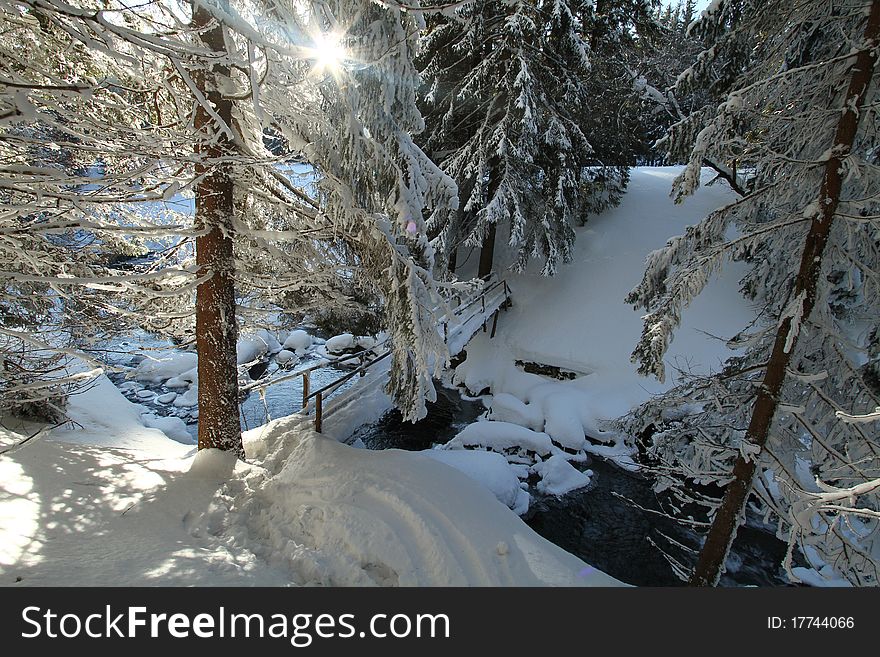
110,501
578,321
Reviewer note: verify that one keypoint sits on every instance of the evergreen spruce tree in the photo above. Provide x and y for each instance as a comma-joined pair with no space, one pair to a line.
784,425
171,105
504,88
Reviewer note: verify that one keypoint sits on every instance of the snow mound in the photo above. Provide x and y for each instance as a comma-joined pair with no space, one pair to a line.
253,346
215,464
561,409
507,408
341,516
184,380
489,469
559,477
298,341
366,342
188,399
284,356
339,343
502,436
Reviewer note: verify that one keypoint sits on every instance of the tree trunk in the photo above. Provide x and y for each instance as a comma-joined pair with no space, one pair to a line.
487,253
216,330
727,519
453,260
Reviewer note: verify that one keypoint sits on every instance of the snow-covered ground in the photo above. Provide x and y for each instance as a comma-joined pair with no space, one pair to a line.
109,501
578,321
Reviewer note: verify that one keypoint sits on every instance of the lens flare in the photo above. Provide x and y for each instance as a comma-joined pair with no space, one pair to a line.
328,52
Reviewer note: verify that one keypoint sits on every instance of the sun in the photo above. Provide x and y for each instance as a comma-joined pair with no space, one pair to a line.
328,52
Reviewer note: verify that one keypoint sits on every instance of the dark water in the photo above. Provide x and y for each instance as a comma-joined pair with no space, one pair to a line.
601,524
255,408
446,418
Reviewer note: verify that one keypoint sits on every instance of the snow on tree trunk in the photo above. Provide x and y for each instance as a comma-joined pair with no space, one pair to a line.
728,517
216,329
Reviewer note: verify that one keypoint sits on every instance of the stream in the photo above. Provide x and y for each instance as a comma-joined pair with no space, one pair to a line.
602,524
256,408
615,524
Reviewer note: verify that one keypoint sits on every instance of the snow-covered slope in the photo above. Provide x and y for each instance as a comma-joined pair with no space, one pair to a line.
337,515
110,502
578,321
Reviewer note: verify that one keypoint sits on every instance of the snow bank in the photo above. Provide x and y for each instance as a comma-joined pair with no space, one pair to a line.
559,409
101,415
489,469
507,408
313,512
341,516
171,426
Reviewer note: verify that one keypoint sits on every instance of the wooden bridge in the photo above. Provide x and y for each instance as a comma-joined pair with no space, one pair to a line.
464,317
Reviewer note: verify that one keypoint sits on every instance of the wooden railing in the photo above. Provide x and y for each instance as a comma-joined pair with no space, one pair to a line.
369,358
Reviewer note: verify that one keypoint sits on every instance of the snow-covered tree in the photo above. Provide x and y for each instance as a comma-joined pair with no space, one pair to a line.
504,89
74,146
623,35
787,424
174,101
668,50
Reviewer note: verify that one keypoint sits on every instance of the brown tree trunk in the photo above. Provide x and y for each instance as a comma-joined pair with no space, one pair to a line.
723,530
216,329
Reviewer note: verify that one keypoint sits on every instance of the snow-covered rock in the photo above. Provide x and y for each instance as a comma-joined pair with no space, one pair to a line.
339,343
501,436
157,367
284,356
559,477
298,341
252,346
184,380
188,398
366,342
